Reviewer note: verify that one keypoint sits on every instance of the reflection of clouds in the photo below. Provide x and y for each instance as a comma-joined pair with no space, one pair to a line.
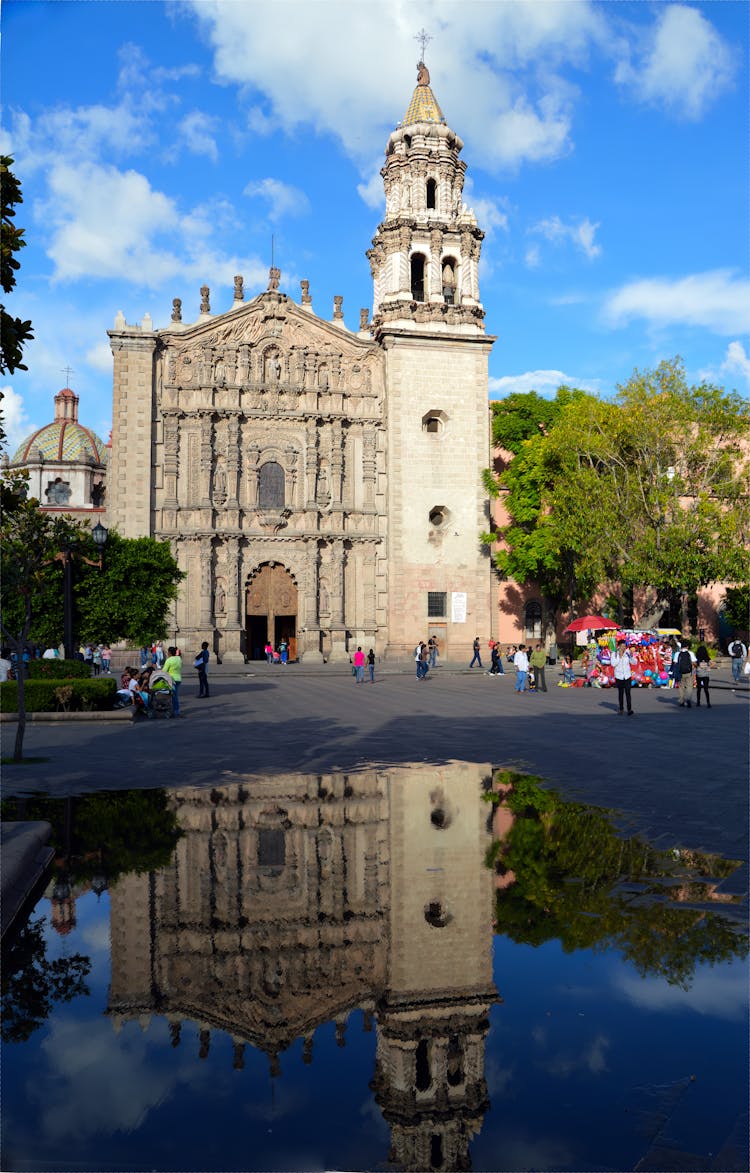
499,1079
94,938
370,1111
94,1083
592,1058
719,993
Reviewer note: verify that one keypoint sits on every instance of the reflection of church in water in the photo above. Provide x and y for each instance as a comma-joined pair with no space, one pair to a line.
296,900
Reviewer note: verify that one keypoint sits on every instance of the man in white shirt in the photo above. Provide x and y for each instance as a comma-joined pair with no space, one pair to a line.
737,651
521,665
620,661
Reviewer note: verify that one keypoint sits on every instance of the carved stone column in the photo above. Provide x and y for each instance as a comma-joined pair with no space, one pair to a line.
253,453
233,461
311,464
206,460
337,463
171,460
311,652
231,653
338,626
369,453
206,584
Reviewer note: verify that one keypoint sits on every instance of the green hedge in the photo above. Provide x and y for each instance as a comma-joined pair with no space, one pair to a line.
52,696
58,670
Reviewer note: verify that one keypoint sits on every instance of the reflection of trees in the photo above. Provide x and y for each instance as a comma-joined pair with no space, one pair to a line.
576,880
31,983
117,832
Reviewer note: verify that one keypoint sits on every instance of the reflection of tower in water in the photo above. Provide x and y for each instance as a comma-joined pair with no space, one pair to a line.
292,901
432,1020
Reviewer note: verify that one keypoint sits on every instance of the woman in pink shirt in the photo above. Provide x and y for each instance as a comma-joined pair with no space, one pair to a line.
359,665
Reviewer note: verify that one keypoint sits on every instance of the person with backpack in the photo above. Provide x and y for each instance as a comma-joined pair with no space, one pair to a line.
685,662
476,658
702,669
738,652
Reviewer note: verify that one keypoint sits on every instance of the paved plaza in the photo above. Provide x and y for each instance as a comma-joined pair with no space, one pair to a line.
678,775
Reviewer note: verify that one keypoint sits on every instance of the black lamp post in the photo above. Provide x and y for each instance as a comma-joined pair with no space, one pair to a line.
100,534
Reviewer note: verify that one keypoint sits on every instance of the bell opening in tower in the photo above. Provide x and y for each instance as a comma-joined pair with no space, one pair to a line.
417,276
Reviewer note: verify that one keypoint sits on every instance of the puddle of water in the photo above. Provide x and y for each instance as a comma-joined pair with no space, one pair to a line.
414,969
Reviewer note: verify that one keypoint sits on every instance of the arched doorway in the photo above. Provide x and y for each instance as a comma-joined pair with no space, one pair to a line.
271,610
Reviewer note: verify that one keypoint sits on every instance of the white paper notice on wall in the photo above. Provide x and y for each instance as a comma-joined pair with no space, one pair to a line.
458,607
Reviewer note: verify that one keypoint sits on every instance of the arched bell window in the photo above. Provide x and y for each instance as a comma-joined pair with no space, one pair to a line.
418,261
431,194
271,486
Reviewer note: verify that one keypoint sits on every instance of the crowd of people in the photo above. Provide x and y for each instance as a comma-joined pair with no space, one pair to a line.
161,675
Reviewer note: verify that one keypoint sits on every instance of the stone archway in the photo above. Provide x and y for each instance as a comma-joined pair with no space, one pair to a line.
271,604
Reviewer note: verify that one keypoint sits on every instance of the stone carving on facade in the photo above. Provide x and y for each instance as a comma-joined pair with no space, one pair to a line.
305,287
205,300
274,277
177,309
239,292
220,597
220,483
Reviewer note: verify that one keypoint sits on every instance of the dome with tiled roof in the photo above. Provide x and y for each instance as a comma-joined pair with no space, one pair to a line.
64,439
423,106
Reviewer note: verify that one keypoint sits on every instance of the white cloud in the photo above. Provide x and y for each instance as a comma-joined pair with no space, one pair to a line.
15,420
283,199
358,97
717,993
532,257
543,382
682,64
718,301
737,362
100,357
581,234
196,132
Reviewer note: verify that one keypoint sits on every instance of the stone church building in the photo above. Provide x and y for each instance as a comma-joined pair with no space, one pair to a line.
318,484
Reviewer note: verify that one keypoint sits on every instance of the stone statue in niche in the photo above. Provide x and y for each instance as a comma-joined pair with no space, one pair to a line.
325,600
449,283
323,377
220,482
220,372
220,598
272,372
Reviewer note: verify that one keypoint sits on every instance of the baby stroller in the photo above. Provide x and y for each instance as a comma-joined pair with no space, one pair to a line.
161,695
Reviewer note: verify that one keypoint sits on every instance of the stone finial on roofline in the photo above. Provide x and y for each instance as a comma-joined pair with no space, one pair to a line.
205,300
239,289
338,313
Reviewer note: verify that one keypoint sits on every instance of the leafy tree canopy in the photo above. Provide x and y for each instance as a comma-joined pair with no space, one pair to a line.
649,490
522,415
14,333
131,598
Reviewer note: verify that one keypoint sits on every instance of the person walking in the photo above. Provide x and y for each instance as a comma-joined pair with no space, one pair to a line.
107,659
173,666
268,649
538,660
201,663
476,659
702,668
623,670
737,652
521,665
685,663
284,651
432,645
497,665
371,664
359,666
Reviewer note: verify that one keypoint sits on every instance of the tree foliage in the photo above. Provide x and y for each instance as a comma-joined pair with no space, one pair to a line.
130,599
737,607
648,490
570,866
14,333
32,541
31,983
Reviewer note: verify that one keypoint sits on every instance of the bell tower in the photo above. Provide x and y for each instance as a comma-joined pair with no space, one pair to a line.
429,320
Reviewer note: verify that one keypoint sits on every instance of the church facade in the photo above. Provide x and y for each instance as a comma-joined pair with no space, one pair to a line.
317,484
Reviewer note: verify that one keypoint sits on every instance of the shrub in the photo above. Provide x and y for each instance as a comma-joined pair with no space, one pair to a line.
58,670
50,696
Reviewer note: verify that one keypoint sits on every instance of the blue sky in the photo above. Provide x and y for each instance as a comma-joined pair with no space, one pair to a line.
161,146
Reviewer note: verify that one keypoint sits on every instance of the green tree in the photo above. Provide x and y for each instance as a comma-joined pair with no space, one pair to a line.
127,599
14,333
32,542
130,598
648,490
31,983
736,606
531,549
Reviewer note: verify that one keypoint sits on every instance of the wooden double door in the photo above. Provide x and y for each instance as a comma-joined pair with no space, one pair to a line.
271,611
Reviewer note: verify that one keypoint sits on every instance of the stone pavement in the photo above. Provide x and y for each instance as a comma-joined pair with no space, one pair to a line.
678,775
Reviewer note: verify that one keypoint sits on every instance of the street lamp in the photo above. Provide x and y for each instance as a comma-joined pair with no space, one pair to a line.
100,534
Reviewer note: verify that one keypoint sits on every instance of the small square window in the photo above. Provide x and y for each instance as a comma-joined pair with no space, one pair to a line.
436,604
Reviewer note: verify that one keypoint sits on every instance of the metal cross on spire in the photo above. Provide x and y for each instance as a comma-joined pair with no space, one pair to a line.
424,39
67,371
